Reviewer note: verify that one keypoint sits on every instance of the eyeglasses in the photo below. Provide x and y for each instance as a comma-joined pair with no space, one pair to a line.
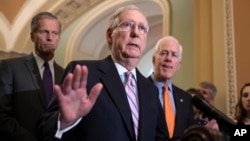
130,25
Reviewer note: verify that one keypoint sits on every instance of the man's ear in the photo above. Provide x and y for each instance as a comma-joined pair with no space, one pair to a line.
32,36
153,59
109,36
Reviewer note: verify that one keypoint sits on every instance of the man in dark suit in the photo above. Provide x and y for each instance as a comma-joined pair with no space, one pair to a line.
22,96
166,61
92,103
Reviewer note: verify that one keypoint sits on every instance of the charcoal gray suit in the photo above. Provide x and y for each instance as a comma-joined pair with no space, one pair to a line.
22,99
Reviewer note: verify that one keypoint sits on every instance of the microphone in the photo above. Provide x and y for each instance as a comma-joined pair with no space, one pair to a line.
212,112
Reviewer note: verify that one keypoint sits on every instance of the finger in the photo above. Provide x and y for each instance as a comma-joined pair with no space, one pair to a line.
58,92
84,77
76,77
67,83
95,92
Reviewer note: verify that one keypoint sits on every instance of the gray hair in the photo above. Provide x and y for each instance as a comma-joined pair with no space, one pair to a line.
114,20
159,42
209,86
42,15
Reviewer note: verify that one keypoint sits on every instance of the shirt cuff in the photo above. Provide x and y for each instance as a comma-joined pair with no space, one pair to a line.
59,132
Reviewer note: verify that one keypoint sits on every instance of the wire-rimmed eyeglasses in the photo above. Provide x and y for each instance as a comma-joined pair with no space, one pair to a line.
130,25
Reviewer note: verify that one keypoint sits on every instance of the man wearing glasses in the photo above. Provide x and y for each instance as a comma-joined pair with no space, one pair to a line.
109,99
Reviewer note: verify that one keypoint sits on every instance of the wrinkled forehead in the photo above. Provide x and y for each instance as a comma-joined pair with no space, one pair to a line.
133,15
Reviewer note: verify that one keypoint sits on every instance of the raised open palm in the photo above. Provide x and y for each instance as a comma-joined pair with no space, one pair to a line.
74,102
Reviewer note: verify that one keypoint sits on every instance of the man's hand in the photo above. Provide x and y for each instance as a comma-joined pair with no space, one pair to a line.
73,99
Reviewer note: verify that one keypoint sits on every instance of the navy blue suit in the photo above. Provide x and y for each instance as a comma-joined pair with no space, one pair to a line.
184,111
110,119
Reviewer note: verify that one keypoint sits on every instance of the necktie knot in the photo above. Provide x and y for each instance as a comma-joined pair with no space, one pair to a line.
166,89
46,64
46,72
129,77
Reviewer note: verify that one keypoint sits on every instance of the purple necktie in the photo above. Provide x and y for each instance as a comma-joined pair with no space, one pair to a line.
130,89
47,82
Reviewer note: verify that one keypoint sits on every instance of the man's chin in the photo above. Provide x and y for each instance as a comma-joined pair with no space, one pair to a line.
131,56
166,75
48,52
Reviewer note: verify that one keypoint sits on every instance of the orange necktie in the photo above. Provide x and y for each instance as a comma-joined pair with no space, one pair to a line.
169,112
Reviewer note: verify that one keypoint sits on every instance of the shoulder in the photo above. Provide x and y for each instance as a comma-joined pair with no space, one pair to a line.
13,62
181,92
150,78
57,66
16,59
91,62
88,63
147,82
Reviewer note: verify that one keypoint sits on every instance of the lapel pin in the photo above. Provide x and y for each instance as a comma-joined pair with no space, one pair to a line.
181,100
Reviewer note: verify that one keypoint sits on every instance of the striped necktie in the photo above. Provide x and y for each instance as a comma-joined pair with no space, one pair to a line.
130,89
169,112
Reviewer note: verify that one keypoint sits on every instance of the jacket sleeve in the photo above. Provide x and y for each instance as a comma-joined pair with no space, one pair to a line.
6,78
10,129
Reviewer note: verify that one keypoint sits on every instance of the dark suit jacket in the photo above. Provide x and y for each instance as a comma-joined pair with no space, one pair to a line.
184,111
110,119
22,100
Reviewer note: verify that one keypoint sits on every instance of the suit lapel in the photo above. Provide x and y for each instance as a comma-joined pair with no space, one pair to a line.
36,78
177,100
144,102
117,92
58,73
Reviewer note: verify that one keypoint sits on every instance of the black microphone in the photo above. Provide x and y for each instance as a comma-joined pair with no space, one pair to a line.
223,120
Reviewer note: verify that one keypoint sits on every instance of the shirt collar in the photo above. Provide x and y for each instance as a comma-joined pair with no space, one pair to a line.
121,70
40,61
160,84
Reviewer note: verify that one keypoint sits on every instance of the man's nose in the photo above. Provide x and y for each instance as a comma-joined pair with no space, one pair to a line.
49,36
168,56
135,31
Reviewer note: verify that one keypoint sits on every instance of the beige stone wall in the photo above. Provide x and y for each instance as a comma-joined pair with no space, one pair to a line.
242,30
6,55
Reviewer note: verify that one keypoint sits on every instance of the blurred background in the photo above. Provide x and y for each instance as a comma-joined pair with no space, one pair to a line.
213,34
